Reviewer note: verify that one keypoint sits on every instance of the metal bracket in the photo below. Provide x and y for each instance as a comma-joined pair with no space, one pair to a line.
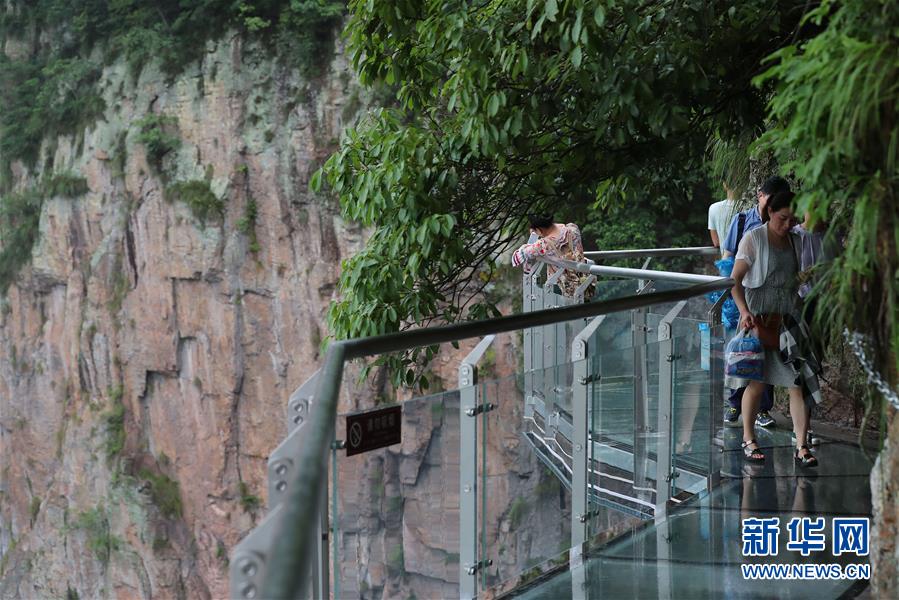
479,566
589,515
480,408
552,279
665,331
581,289
592,378
673,357
338,445
300,402
672,476
552,420
248,562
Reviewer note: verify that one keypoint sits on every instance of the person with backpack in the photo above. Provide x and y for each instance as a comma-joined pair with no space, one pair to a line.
742,223
720,215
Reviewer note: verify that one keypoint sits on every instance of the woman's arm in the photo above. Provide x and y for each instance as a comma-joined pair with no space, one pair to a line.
747,319
528,252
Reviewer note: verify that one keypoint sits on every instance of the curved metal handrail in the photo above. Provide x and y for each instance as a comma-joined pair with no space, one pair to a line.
652,252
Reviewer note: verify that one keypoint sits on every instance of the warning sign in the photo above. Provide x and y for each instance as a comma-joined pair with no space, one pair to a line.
373,429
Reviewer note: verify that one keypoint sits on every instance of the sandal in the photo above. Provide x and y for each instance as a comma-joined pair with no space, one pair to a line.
750,454
808,460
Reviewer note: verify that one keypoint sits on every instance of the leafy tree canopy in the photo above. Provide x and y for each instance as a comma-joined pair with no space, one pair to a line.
835,126
509,107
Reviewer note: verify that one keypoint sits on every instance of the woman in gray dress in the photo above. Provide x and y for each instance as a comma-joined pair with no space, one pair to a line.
765,288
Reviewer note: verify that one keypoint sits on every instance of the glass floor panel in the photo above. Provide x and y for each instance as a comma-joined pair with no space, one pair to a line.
697,553
610,578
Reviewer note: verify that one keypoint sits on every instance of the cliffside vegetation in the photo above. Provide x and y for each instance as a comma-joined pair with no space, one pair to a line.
48,87
20,217
616,111
50,68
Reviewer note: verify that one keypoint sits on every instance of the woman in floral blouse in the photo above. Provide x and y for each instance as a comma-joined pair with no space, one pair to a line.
555,241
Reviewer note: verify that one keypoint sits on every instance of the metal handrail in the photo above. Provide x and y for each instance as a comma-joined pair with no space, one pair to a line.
291,554
628,273
653,252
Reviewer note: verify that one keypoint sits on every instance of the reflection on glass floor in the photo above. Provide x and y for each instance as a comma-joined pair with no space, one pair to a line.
696,552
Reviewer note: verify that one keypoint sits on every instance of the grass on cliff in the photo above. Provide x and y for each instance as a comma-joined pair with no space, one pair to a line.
199,197
65,184
95,525
156,134
396,559
165,492
20,215
248,501
247,225
115,425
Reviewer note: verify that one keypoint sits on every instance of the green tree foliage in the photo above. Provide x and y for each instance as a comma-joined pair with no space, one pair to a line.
836,126
43,98
165,492
508,107
172,31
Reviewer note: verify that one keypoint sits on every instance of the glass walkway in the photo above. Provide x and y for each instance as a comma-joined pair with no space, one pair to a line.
580,454
696,551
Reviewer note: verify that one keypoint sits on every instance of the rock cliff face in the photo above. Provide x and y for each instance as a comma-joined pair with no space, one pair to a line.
146,356
885,524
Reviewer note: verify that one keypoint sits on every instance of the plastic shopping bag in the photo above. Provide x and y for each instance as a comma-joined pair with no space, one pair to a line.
730,314
744,357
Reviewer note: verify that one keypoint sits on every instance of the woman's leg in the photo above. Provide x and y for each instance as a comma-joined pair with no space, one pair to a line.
800,415
752,397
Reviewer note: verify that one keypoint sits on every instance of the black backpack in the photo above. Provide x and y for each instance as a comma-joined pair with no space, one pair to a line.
741,225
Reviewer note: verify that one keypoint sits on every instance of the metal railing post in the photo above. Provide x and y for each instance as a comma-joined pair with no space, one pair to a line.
641,390
663,560
664,470
248,567
537,303
716,391
527,306
551,332
469,402
579,509
585,432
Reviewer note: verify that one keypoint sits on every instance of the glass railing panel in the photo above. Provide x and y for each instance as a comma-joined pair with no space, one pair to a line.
615,331
692,414
610,289
523,462
623,409
613,396
395,510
